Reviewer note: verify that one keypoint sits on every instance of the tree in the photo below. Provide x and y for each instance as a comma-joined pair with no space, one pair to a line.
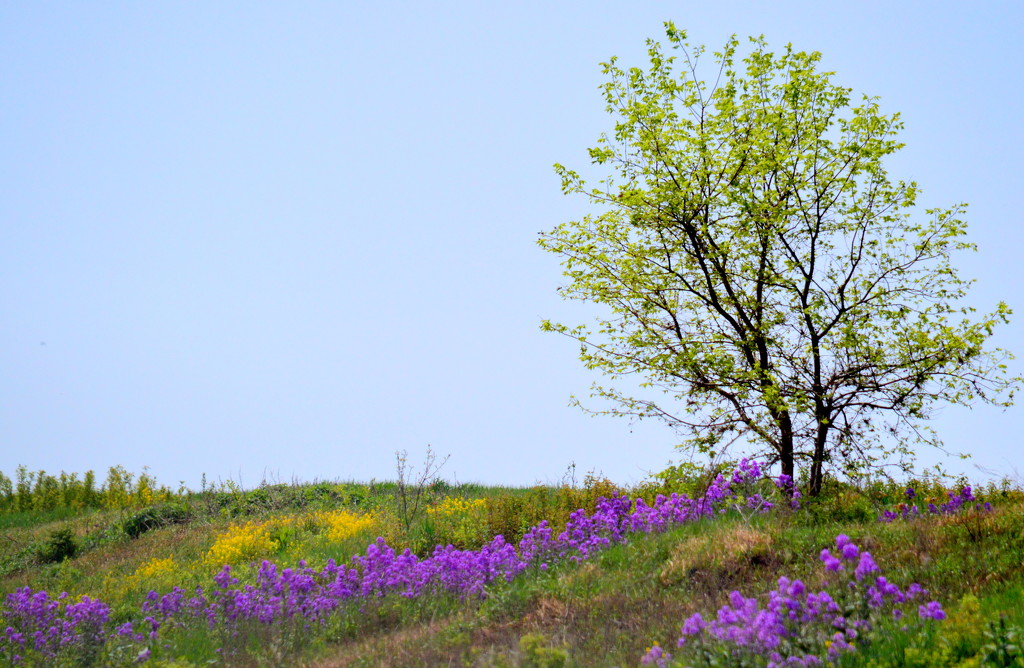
763,271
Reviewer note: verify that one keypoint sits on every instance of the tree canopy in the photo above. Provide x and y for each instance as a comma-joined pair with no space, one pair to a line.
760,272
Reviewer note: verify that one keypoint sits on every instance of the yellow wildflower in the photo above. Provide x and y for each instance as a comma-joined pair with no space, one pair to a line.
241,543
155,568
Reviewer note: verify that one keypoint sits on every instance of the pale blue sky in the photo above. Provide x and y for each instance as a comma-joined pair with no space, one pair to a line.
287,239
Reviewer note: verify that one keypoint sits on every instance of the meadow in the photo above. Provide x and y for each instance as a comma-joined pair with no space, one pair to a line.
723,567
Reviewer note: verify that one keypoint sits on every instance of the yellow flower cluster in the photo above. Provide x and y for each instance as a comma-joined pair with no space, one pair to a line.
242,543
341,524
156,573
257,540
456,507
155,568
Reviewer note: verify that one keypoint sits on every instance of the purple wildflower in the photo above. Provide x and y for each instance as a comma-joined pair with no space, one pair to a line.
831,563
931,610
693,625
866,565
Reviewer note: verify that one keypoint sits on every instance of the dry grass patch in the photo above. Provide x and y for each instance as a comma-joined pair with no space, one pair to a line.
381,649
719,557
548,610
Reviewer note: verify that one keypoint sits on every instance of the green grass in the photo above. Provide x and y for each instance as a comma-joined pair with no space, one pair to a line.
604,612
607,611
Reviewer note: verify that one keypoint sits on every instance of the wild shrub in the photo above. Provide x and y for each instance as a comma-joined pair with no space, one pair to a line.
353,495
597,487
544,503
23,489
1007,490
460,522
254,502
555,505
504,516
6,492
117,490
46,495
60,545
155,517
88,496
41,491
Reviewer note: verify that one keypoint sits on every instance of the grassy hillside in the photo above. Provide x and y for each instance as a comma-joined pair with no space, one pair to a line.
267,576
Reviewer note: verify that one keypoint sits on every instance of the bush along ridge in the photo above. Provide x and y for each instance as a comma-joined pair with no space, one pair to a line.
958,502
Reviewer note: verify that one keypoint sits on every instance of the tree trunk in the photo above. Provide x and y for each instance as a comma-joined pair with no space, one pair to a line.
786,444
818,459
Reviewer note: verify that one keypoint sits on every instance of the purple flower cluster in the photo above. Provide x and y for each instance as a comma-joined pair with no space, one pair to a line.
797,627
303,596
51,627
957,501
